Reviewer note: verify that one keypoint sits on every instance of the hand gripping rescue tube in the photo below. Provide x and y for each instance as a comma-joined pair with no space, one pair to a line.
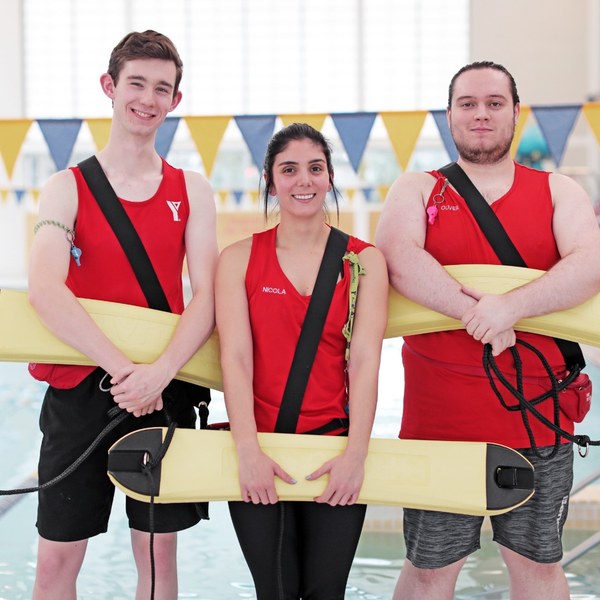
473,478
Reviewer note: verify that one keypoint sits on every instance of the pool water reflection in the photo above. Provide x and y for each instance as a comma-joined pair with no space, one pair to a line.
211,565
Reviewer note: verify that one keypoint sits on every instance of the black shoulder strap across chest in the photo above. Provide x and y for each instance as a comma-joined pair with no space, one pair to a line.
484,215
141,264
502,245
310,335
125,231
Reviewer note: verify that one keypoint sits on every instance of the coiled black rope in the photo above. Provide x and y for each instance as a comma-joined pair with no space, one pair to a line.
526,406
116,415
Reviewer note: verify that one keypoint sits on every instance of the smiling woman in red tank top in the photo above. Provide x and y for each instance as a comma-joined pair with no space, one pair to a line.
264,286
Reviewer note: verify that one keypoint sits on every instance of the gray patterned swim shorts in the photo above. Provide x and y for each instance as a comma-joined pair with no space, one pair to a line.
534,530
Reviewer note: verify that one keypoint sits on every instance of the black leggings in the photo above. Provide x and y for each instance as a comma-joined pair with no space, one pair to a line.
298,549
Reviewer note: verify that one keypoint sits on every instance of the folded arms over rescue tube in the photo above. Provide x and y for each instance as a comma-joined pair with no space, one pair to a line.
579,324
460,477
142,333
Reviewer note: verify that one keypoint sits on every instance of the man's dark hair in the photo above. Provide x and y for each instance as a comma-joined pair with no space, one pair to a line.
148,44
484,64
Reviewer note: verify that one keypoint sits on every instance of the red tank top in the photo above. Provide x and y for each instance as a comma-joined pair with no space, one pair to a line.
277,312
105,272
447,395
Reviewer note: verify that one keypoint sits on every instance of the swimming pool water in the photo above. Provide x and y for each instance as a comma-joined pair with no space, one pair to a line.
211,566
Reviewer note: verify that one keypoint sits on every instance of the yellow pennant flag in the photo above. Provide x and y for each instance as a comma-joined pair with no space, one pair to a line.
223,195
207,133
12,136
383,191
523,118
100,130
35,194
350,193
314,120
253,196
4,195
403,129
592,114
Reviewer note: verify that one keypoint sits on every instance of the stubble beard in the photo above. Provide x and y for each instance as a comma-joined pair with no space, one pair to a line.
483,156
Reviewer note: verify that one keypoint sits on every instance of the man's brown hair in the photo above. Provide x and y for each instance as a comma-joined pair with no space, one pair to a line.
147,44
485,64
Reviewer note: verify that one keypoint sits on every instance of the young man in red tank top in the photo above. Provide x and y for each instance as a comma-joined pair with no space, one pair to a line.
143,84
550,220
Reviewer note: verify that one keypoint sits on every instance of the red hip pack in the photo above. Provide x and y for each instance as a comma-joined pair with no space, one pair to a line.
576,398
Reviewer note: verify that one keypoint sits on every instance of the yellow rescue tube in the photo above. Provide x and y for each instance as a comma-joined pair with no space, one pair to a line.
474,478
142,333
579,324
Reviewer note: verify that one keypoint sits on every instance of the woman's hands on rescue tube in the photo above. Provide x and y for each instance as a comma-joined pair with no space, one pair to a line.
346,475
257,473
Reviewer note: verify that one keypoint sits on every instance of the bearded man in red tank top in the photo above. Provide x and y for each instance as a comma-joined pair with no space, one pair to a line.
425,224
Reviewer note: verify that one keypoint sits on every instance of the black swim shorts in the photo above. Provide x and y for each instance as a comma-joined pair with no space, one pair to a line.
79,507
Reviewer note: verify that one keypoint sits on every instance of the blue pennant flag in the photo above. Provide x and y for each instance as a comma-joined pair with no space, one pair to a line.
237,196
354,130
19,193
60,136
256,131
556,124
165,135
439,116
368,192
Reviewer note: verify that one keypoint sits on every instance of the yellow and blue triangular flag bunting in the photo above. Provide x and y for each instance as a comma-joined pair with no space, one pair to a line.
19,195
207,133
439,116
256,131
165,135
403,129
592,114
556,124
237,196
100,131
12,136
315,120
354,130
60,136
519,129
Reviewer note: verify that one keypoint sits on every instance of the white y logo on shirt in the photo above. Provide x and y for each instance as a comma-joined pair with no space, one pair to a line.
174,206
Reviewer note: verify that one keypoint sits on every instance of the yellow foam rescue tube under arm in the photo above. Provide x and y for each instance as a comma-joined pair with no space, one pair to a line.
143,333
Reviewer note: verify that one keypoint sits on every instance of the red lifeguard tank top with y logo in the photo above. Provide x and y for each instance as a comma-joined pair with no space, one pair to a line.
106,273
